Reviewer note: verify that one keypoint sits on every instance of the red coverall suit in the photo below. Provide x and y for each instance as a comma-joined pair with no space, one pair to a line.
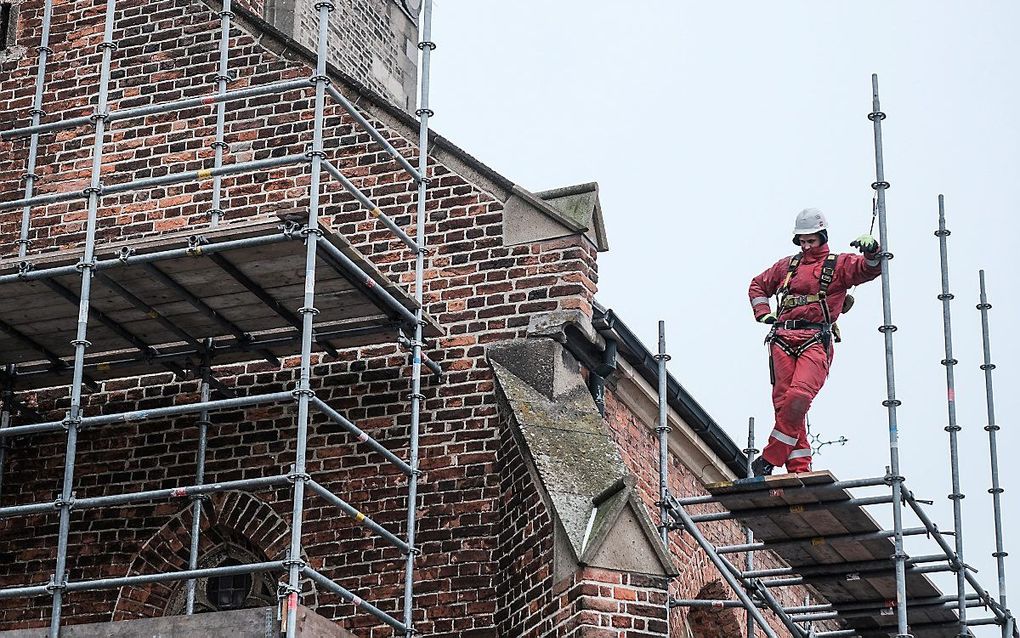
798,379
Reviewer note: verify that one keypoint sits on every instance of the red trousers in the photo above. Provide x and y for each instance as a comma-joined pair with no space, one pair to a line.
796,382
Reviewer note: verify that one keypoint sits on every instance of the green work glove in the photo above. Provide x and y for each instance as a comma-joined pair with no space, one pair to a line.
767,318
866,244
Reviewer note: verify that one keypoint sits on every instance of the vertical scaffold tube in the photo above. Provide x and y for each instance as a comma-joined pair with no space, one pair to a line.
80,342
424,112
36,113
953,428
222,79
750,453
304,390
6,410
662,430
993,451
891,403
196,505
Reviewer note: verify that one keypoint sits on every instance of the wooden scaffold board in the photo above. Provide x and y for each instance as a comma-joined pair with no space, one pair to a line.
784,508
37,319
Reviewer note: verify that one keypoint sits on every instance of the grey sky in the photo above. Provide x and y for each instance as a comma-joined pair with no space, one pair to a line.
709,125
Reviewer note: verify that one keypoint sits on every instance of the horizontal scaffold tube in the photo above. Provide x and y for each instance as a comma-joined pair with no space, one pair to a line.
848,567
257,344
818,540
143,579
838,485
852,575
165,107
807,507
163,180
357,515
127,260
875,610
363,605
154,413
934,601
352,270
363,436
151,495
373,132
369,204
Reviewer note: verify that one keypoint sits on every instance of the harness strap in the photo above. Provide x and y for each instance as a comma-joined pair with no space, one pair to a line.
799,350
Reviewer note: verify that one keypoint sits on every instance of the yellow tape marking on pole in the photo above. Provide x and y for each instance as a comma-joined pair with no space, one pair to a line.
205,173
375,212
360,517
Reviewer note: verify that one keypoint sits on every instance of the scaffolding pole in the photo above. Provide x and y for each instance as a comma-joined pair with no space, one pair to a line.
662,432
89,267
952,428
6,411
36,113
80,341
222,79
749,453
993,451
887,329
304,392
426,46
196,505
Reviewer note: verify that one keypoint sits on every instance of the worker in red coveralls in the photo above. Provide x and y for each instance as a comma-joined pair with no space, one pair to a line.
812,292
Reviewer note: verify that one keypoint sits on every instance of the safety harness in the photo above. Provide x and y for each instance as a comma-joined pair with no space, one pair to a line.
827,331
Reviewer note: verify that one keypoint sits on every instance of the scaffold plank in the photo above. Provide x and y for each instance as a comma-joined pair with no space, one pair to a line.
841,571
348,312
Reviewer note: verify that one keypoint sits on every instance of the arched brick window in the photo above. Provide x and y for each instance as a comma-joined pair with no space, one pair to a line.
237,528
222,593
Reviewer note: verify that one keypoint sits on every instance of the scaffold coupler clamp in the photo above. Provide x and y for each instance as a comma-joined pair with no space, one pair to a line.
307,230
24,267
68,421
86,265
52,586
297,393
125,254
294,476
891,478
292,228
195,243
59,502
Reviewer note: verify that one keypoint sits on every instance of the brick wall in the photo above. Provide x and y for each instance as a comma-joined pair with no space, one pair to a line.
698,577
484,532
373,41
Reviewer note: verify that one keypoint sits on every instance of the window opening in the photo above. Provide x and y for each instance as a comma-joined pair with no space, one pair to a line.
6,28
228,592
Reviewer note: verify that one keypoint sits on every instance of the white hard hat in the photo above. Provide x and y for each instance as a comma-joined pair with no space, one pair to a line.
809,221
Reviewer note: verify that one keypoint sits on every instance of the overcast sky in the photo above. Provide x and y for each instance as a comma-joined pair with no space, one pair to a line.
708,126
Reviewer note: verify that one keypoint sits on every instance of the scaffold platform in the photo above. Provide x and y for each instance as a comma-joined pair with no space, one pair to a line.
822,533
155,302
